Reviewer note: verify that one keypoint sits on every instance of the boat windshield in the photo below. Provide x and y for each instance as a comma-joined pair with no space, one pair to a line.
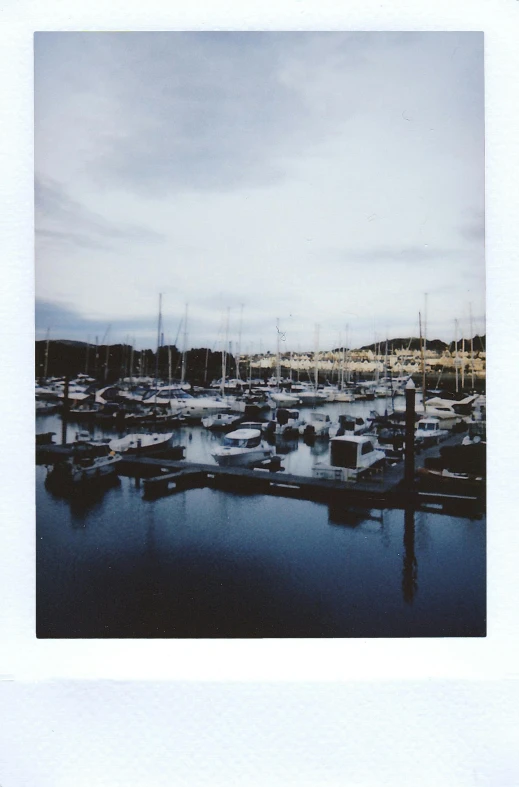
240,442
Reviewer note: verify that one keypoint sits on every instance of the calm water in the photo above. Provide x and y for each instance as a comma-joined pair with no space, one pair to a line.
210,564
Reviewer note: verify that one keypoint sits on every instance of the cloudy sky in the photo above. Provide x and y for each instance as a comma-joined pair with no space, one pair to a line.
318,178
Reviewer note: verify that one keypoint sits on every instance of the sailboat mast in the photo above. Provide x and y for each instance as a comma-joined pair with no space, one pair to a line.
184,353
224,352
46,367
463,364
423,363
316,358
456,357
131,364
87,350
238,351
342,364
206,365
278,360
158,347
471,347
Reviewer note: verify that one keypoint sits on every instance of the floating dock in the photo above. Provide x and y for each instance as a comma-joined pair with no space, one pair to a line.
382,490
167,474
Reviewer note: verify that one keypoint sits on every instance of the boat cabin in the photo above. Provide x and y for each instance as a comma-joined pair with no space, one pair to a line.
243,438
350,456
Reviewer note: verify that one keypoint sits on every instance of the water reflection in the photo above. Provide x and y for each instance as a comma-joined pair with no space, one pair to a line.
352,517
410,565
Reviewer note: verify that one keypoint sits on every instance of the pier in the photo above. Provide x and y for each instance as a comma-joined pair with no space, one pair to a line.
383,489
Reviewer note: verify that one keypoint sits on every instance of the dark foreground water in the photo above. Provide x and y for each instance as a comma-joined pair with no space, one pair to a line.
210,564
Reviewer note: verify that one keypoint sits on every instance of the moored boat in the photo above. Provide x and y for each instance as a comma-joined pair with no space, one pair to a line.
244,447
141,443
350,457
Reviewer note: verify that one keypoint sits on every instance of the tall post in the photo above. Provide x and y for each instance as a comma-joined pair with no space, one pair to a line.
410,395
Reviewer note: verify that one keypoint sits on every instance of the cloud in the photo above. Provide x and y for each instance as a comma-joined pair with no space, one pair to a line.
474,229
405,254
64,221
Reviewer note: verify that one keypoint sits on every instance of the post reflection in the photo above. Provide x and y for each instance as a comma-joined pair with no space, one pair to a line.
410,566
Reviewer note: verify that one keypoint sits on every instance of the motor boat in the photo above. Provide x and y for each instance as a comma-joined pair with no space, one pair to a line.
244,447
317,425
284,421
141,443
85,468
429,432
350,456
220,421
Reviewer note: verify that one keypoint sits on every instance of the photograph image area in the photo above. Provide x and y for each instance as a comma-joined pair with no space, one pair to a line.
260,341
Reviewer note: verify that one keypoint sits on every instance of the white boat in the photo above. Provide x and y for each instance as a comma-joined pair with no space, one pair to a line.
199,407
349,424
173,396
447,415
283,399
334,394
243,447
284,421
317,425
428,431
83,470
220,421
141,443
350,456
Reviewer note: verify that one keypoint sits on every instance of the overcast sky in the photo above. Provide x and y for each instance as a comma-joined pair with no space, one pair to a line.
318,178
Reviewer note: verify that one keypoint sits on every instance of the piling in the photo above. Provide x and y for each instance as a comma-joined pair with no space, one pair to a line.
410,394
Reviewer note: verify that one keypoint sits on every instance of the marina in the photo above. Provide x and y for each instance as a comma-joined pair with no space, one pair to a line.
260,357
178,491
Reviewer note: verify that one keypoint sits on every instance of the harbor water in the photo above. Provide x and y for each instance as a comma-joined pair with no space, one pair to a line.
205,563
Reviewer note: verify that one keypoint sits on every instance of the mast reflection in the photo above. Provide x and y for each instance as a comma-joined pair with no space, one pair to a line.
409,566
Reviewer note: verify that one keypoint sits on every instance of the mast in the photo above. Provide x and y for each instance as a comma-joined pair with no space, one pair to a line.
423,364
206,365
224,351
471,347
107,351
463,364
46,367
86,360
316,358
238,350
342,364
158,347
456,357
131,364
184,354
278,361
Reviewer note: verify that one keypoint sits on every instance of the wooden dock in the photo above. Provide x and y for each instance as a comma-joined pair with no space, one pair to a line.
167,473
384,490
